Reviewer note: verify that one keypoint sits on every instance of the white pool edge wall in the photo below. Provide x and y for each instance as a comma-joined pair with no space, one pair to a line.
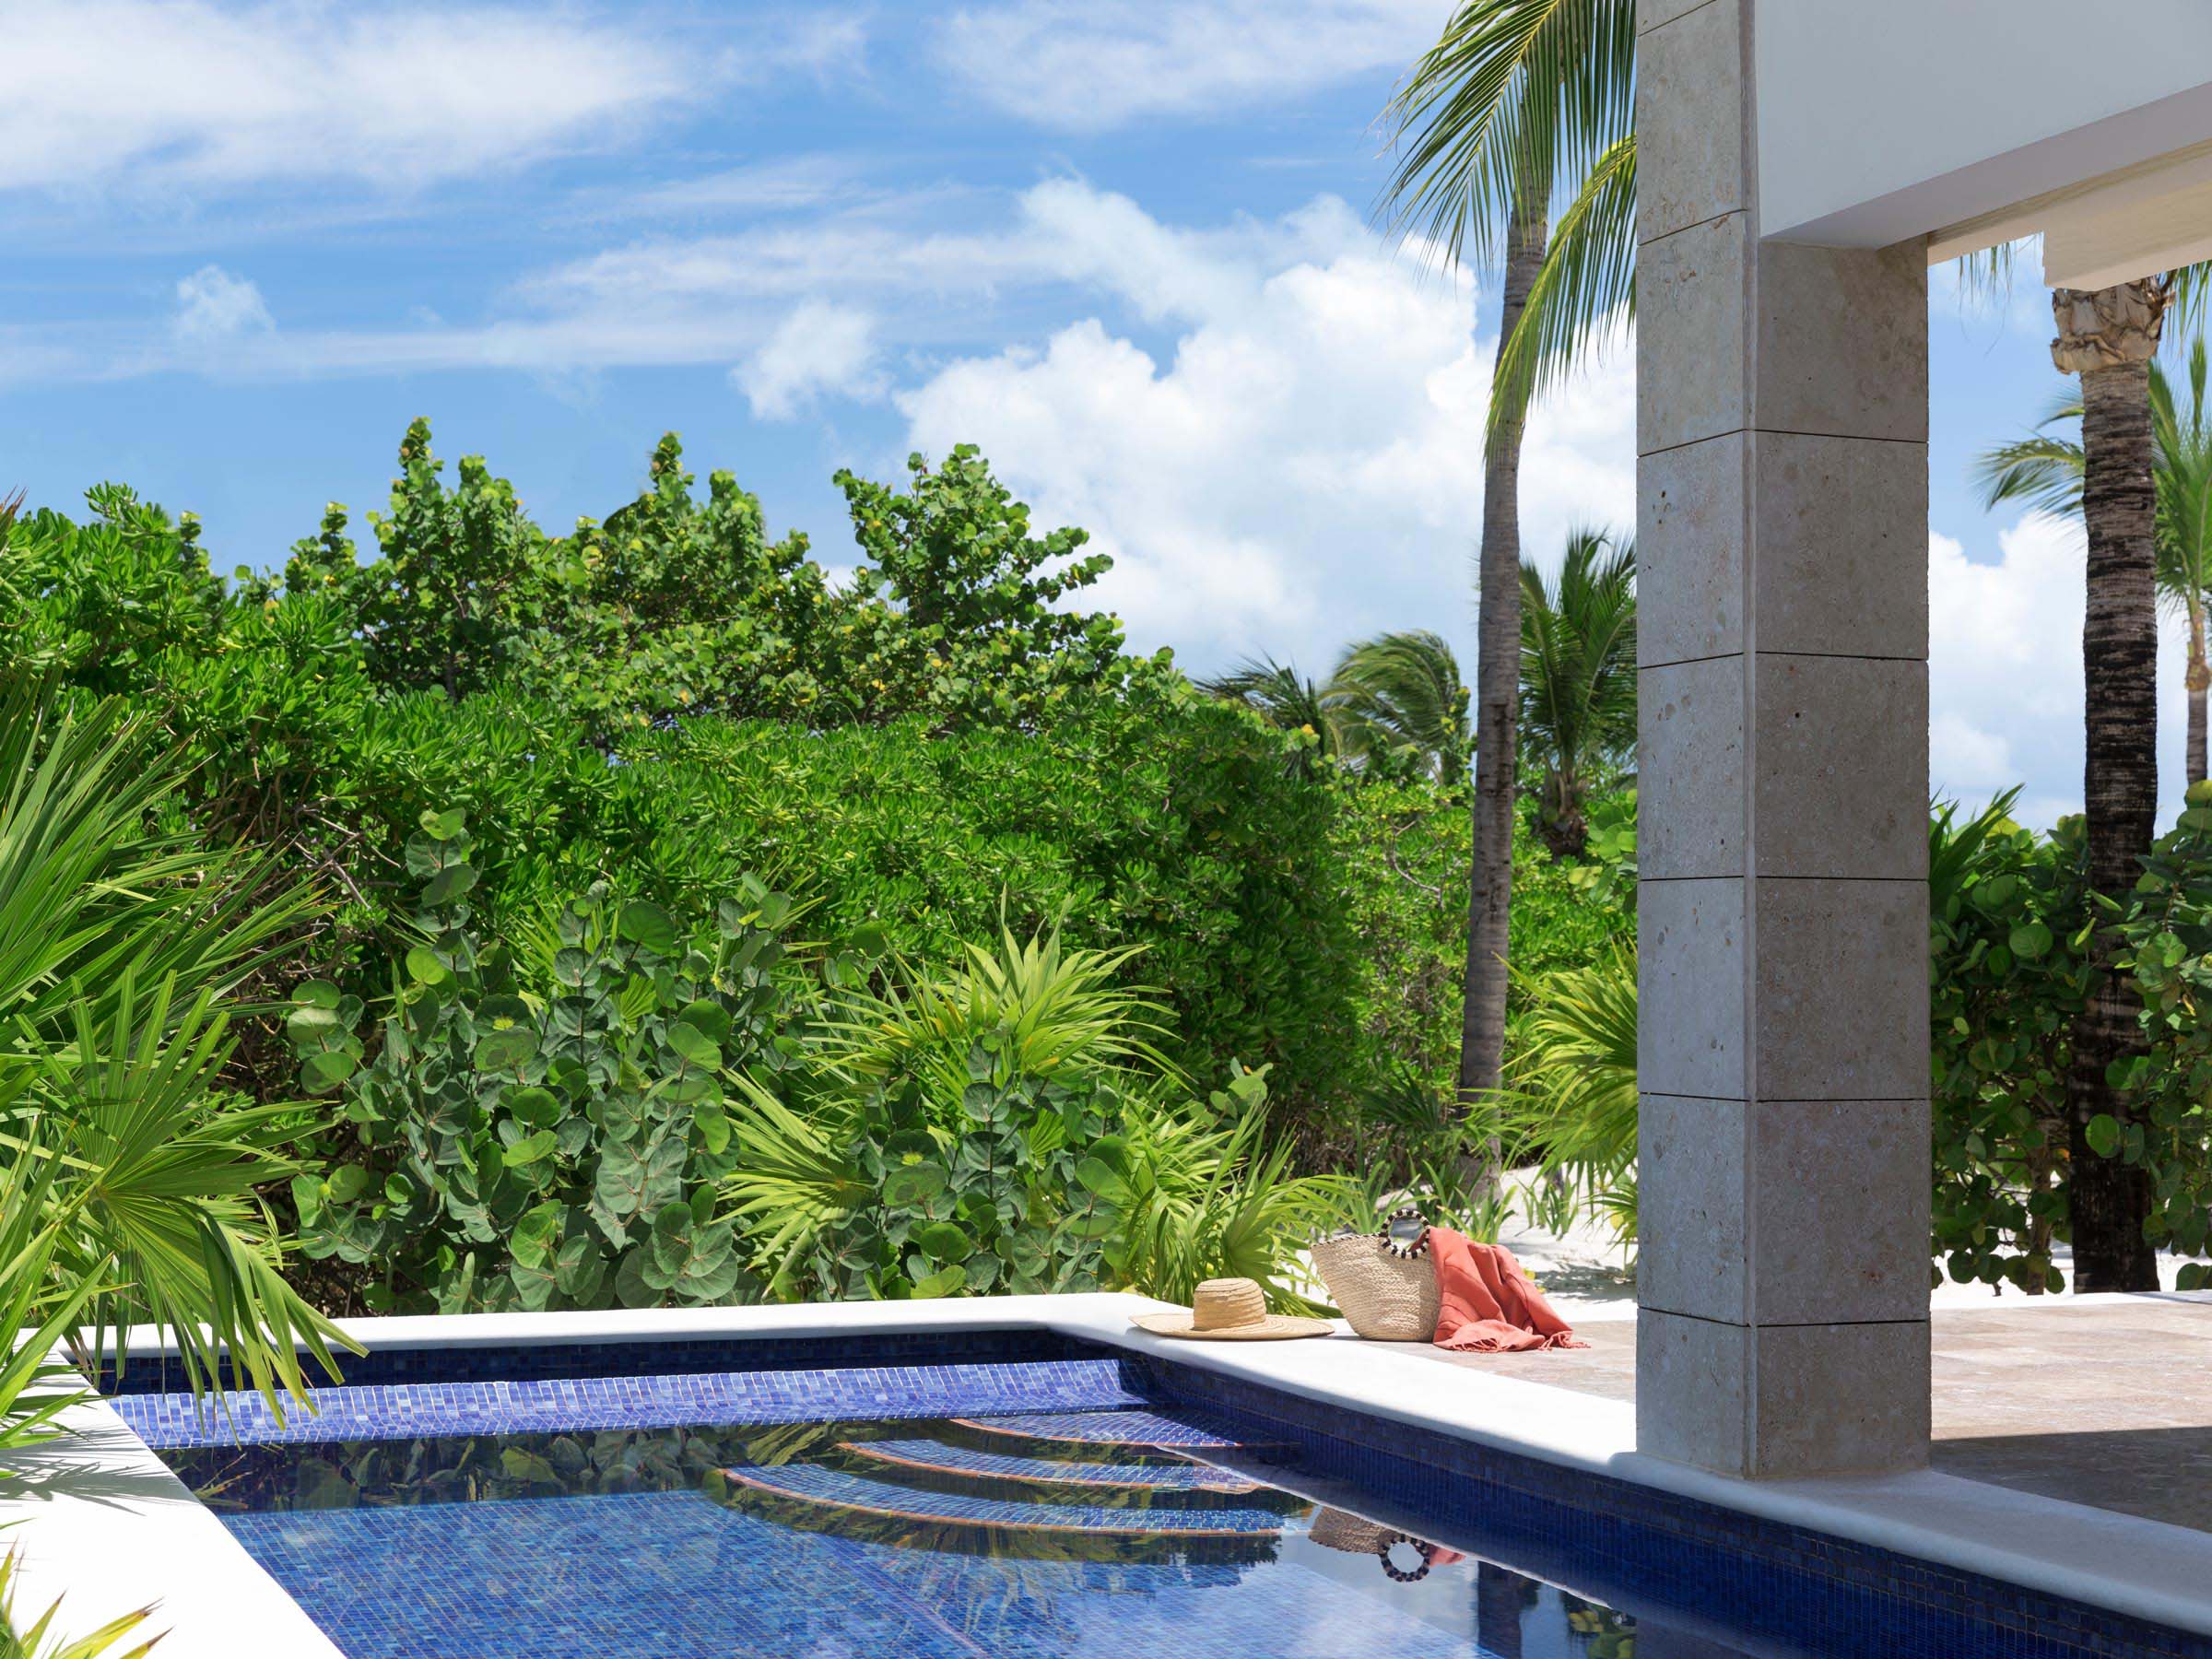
109,1528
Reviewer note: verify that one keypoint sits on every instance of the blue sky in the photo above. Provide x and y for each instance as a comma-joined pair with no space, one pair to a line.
1125,246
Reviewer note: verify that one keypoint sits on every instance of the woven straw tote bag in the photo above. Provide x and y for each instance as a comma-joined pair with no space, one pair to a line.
1385,1297
1354,1535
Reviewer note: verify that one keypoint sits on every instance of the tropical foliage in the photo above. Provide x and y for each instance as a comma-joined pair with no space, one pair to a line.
1578,680
37,1639
1010,1125
132,1169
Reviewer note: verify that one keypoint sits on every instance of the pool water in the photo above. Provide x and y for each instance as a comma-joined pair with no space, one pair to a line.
1072,1534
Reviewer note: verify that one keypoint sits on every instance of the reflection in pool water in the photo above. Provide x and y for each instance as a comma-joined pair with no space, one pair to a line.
1083,1535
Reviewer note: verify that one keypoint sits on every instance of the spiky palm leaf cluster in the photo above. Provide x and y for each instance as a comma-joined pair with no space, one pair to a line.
1395,701
1577,680
1520,96
127,1169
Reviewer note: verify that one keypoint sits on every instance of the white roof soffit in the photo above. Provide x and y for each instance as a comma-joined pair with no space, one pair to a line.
2130,224
1976,121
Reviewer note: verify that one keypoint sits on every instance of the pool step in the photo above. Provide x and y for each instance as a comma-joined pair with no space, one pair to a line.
1169,1437
832,1499
941,1467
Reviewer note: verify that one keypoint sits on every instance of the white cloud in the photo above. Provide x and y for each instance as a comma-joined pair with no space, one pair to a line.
1305,466
820,350
213,306
2004,684
156,96
1088,64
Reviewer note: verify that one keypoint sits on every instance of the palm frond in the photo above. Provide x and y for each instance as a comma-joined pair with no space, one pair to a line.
1583,299
1275,693
39,1639
1514,95
1049,1008
1402,694
1578,667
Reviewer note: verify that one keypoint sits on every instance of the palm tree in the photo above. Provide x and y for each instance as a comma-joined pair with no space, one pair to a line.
2046,468
1394,701
2108,337
1401,698
1285,700
1577,680
1515,96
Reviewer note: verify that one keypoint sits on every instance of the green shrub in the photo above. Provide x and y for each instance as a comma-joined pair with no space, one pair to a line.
1007,1125
541,1126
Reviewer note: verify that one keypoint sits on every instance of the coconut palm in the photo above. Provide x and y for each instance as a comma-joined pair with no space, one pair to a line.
1282,697
1578,680
1399,697
2046,470
1515,97
2108,337
1394,701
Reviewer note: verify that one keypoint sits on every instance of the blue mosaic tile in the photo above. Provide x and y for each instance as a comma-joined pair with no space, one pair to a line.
1675,1557
815,1483
657,1357
671,1576
627,1574
938,1457
1182,1431
413,1411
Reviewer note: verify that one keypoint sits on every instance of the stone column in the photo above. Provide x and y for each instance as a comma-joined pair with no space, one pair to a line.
1781,434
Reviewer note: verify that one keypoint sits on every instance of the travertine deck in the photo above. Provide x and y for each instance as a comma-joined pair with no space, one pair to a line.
2104,1403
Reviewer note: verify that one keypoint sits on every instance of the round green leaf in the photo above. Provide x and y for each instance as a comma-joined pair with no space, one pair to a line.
2030,940
2102,1133
324,1071
448,884
346,1183
694,1046
307,1023
508,1048
539,1108
944,1241
425,969
531,1147
941,1283
648,925
911,1185
316,994
711,1019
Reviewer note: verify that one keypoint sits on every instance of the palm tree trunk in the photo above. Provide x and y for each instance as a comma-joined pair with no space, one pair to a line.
2199,682
1497,695
2108,337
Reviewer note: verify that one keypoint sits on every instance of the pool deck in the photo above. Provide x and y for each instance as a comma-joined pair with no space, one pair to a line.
2113,1515
2103,1401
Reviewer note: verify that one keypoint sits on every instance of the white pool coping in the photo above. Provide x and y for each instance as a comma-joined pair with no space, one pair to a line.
108,1526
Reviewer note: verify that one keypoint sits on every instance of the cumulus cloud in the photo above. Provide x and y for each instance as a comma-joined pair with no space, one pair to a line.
820,349
214,305
1127,59
193,96
2005,681
1304,465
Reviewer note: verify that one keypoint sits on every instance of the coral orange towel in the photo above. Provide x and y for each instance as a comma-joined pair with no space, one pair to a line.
1491,1305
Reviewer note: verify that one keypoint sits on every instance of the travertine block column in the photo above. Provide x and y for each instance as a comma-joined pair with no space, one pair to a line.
1782,431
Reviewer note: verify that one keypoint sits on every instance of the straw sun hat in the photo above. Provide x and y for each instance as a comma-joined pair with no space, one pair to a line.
1232,1309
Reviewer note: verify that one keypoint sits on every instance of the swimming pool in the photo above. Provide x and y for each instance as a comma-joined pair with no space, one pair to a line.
1007,1493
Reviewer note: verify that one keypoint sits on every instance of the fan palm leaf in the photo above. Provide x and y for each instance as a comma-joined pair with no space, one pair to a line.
120,944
